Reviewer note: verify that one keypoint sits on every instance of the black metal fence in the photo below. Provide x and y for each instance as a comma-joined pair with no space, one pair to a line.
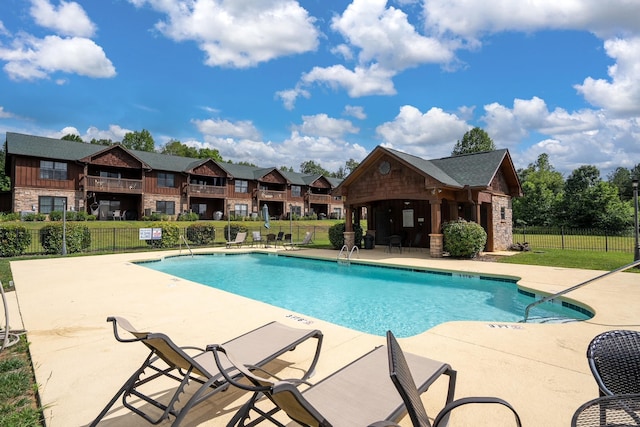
572,238
114,240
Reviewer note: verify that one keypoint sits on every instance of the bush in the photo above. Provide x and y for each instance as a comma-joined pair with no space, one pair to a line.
15,216
235,229
55,216
188,216
170,236
156,216
336,235
463,239
78,238
201,234
14,240
30,217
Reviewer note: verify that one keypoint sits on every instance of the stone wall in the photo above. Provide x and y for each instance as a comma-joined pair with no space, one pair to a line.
502,222
25,199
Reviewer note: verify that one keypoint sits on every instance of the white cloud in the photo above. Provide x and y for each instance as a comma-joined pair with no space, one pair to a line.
238,34
289,96
470,19
361,81
430,135
225,128
621,94
6,114
571,139
115,133
323,125
355,111
68,19
31,58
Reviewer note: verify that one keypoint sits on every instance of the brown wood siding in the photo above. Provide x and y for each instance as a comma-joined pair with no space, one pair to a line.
499,183
209,169
116,158
400,183
151,184
27,174
274,177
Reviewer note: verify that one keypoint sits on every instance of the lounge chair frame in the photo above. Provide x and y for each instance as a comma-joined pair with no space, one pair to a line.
357,395
168,360
305,241
401,376
238,241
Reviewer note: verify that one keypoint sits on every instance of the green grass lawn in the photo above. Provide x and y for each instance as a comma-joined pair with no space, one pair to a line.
588,260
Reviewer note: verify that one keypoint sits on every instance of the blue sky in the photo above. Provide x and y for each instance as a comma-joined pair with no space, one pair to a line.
280,82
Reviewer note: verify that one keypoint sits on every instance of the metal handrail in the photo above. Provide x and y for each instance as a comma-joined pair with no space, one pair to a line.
186,244
572,288
342,250
354,248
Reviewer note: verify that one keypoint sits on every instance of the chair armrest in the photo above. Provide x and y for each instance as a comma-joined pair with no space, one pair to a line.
216,349
384,424
443,416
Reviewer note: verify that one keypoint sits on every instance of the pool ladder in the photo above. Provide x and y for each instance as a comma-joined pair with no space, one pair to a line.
348,253
182,239
572,288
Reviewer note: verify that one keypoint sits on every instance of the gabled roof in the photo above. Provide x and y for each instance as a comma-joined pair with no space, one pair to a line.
475,170
56,149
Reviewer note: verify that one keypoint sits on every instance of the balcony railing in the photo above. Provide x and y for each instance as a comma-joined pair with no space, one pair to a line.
319,198
119,185
272,195
207,190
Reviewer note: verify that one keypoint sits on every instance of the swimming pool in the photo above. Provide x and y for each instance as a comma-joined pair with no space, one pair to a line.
367,298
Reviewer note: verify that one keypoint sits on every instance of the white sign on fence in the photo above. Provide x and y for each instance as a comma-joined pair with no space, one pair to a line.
150,233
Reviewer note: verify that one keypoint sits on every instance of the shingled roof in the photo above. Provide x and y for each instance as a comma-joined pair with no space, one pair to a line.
18,144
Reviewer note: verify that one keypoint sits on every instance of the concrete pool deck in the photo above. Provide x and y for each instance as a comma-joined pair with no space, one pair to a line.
541,369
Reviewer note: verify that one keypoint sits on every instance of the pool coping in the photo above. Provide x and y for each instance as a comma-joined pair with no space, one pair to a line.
63,303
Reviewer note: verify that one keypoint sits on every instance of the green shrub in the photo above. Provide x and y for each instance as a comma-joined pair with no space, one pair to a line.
188,216
170,236
78,238
14,240
14,216
235,229
156,216
336,235
55,216
201,234
463,239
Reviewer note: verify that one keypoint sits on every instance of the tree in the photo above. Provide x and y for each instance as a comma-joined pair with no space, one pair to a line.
72,137
542,189
176,148
312,168
621,178
141,141
5,182
474,141
351,165
286,168
101,141
210,153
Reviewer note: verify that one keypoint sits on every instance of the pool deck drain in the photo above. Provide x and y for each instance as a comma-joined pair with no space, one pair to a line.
63,303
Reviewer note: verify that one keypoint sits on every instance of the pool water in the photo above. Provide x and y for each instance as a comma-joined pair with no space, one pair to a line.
362,297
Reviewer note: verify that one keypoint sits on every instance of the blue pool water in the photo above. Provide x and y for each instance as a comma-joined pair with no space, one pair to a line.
366,298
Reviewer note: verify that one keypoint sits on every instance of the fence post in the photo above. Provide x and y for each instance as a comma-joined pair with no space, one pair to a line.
524,233
114,240
562,234
606,241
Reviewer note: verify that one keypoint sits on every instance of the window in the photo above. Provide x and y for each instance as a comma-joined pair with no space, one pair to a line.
48,204
296,190
296,210
242,186
52,170
166,180
241,210
503,213
165,207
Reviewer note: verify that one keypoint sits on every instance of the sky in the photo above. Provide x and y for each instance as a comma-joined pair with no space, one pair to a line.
281,82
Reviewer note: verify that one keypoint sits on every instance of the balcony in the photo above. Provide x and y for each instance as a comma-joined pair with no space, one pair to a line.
113,185
272,195
200,190
319,198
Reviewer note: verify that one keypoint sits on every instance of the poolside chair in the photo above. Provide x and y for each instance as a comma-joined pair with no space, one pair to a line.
614,360
271,240
167,360
279,238
357,395
403,379
239,240
256,239
305,241
619,410
395,241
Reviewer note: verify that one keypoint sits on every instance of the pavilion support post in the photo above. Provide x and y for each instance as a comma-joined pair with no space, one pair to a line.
436,241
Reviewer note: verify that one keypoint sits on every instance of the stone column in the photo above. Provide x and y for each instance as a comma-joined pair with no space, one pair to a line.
436,245
436,238
349,239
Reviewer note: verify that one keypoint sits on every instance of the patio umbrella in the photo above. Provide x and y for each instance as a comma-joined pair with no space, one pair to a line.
265,215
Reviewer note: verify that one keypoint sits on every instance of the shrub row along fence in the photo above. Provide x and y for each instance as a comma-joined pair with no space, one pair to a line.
113,240
571,238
